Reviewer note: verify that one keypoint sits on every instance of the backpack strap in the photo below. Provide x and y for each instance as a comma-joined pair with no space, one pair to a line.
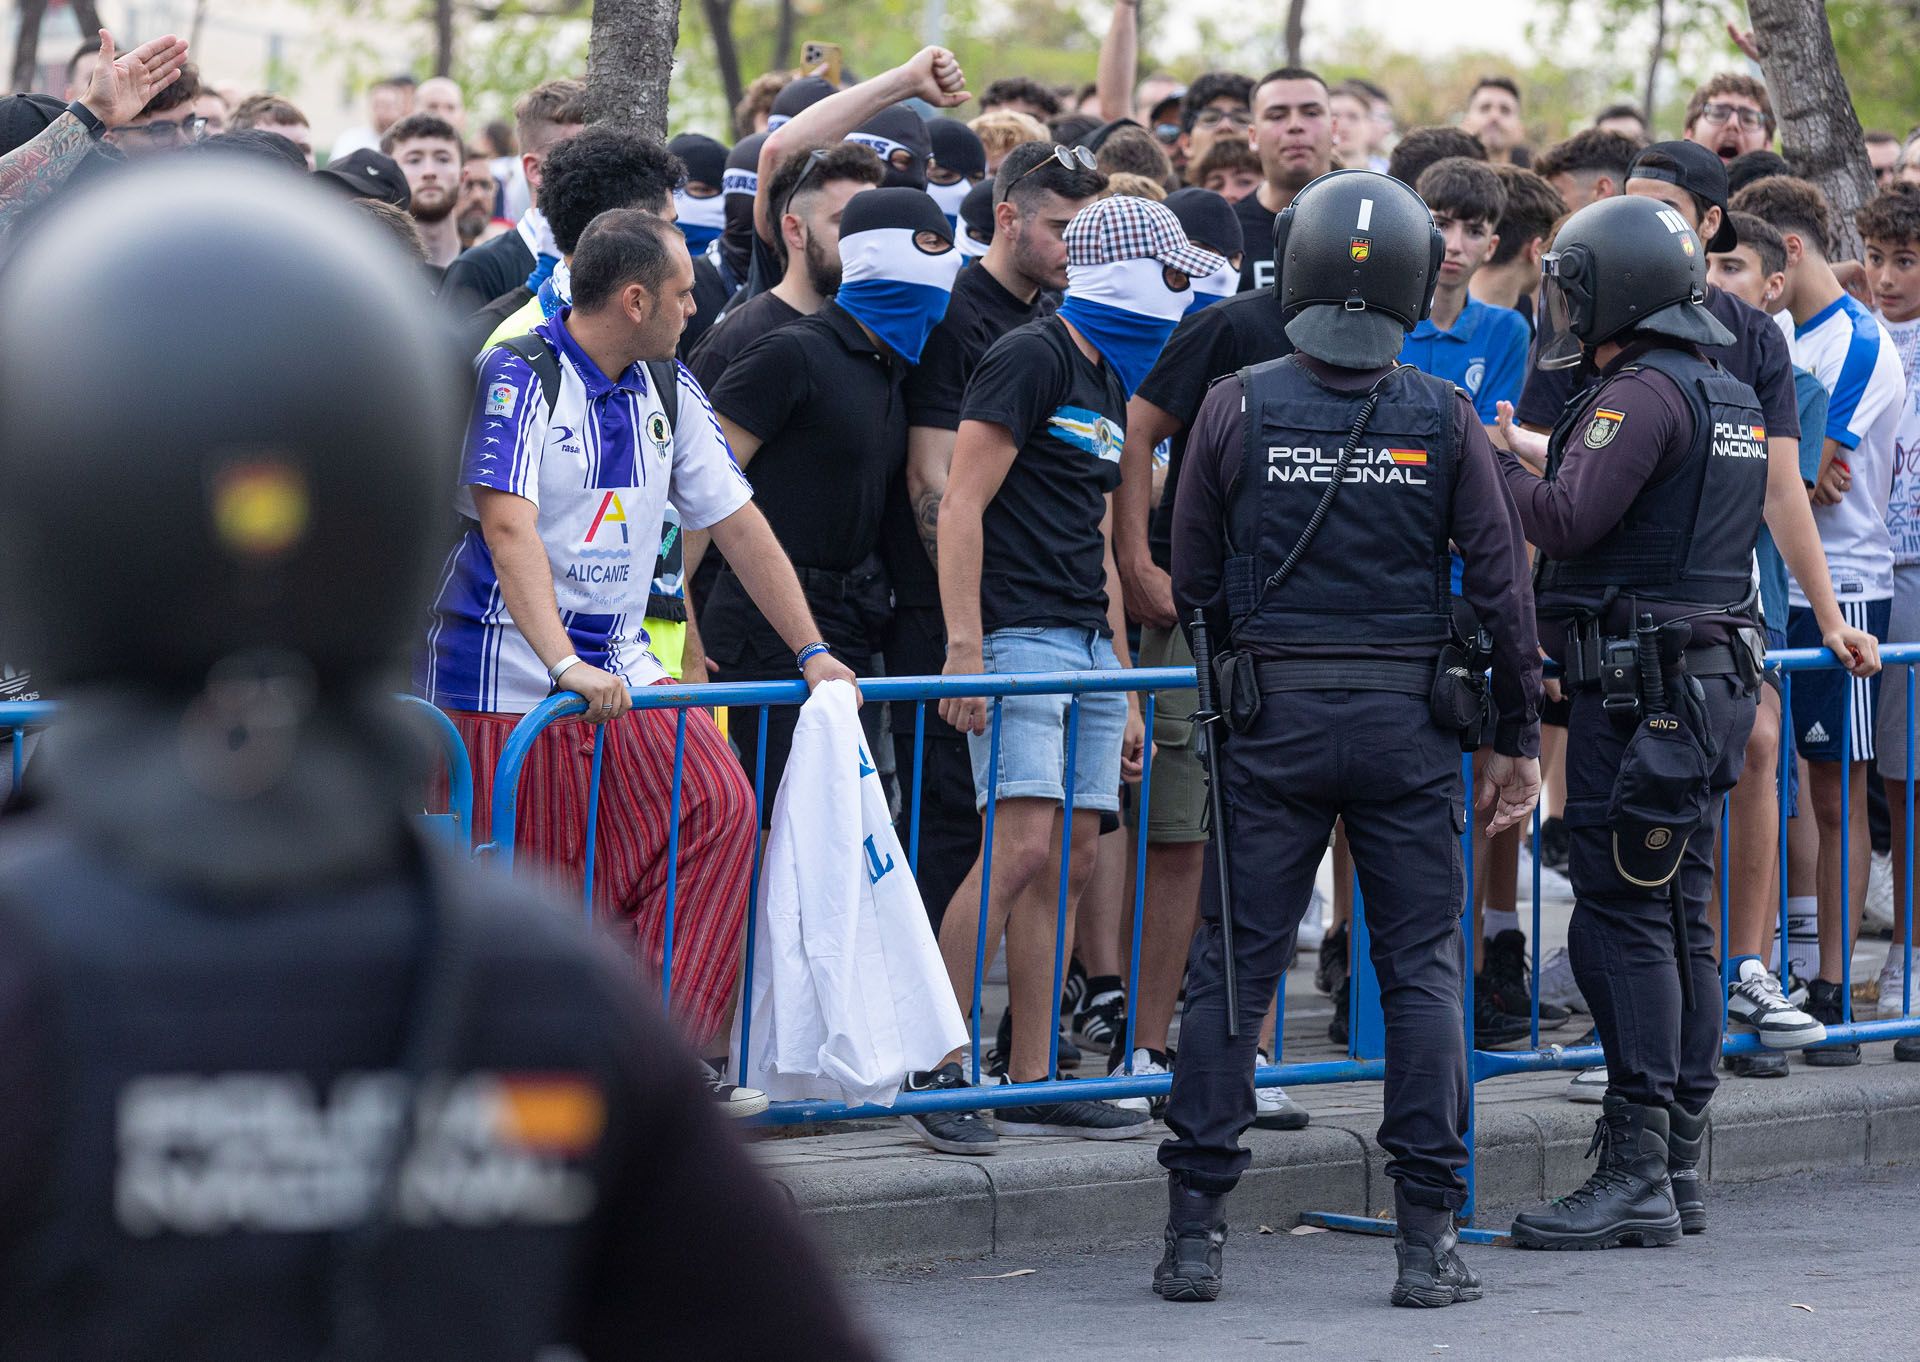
542,361
664,374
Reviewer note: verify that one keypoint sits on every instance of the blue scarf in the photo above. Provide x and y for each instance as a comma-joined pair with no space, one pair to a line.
542,271
1126,312
896,290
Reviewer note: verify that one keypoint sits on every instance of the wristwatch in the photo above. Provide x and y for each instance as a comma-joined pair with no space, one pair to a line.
88,120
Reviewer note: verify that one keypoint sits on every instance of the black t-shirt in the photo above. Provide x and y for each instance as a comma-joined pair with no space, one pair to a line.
710,295
1758,357
478,276
980,312
1256,225
1223,339
826,402
729,335
1043,561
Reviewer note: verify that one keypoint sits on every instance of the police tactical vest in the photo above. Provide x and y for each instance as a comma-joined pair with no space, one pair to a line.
226,1081
1377,570
1688,537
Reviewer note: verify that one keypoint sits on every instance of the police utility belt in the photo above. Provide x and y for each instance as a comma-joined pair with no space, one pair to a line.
1614,666
1455,683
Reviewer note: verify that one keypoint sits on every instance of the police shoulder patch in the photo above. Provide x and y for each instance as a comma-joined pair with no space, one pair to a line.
1605,425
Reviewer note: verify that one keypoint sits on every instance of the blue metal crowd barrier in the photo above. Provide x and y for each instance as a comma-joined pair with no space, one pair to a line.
757,697
456,824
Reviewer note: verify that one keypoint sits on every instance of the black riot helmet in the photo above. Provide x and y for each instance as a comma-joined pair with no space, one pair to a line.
229,433
1356,258
1620,265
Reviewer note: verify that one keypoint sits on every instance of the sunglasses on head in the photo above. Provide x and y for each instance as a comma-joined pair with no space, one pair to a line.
1071,158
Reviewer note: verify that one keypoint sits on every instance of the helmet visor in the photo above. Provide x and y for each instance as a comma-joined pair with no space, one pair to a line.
1558,347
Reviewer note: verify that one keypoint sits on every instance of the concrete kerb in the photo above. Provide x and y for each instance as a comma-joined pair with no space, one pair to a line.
888,1202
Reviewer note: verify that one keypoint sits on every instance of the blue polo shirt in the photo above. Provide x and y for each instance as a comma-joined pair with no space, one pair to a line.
1484,355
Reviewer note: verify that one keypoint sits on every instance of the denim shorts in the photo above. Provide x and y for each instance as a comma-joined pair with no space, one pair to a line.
1033,728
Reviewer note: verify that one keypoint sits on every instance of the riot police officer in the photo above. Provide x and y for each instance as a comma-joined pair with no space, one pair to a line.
283,1079
1645,525
1316,505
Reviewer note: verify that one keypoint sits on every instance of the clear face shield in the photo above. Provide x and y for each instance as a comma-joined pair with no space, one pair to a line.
1563,298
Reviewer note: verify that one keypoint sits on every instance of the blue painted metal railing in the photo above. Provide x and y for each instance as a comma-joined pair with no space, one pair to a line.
757,696
456,824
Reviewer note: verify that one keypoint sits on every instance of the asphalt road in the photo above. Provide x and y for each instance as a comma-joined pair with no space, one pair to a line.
1843,1245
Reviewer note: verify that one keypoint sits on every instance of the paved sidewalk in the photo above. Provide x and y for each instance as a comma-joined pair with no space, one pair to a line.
878,1196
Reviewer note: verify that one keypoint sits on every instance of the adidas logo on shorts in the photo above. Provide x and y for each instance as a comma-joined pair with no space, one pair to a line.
1818,733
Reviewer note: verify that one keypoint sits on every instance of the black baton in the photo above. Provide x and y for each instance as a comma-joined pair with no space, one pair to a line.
1205,718
1653,689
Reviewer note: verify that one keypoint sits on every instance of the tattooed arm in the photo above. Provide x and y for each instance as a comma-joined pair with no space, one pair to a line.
34,169
929,455
120,89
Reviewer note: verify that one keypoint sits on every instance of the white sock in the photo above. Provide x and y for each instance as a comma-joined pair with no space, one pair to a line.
1498,922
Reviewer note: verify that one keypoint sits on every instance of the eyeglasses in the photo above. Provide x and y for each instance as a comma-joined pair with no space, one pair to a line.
1071,158
1169,133
169,131
1213,118
1720,113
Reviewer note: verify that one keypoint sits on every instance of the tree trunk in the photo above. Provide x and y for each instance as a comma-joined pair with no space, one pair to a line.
1296,29
1819,131
87,14
782,56
26,45
1654,59
629,62
726,52
442,37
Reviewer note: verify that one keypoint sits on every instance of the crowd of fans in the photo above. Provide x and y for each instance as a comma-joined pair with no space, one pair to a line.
949,355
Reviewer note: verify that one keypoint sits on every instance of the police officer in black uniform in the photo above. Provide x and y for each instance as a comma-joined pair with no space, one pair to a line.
1645,525
284,1080
1318,498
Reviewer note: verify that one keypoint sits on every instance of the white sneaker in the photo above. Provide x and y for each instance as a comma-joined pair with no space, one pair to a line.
1893,975
1272,1108
1589,1085
1878,917
1557,984
1754,999
1145,1061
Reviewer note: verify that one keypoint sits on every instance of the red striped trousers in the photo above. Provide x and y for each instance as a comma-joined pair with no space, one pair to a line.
631,869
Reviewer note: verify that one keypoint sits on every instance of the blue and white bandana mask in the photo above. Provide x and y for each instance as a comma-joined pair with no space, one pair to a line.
1217,287
950,197
701,220
899,291
1126,311
914,177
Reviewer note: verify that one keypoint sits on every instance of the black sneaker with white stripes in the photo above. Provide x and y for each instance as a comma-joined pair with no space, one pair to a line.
950,1132
1104,1018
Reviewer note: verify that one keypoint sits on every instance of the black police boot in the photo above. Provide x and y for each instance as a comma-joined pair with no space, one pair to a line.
1686,1142
1629,1198
1196,1231
1432,1273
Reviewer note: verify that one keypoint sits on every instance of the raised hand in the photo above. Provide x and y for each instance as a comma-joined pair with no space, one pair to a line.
122,85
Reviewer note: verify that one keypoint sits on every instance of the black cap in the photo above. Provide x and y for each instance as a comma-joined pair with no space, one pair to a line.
1097,139
797,95
25,117
1700,172
368,175
704,158
1173,98
1209,220
1660,798
957,147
